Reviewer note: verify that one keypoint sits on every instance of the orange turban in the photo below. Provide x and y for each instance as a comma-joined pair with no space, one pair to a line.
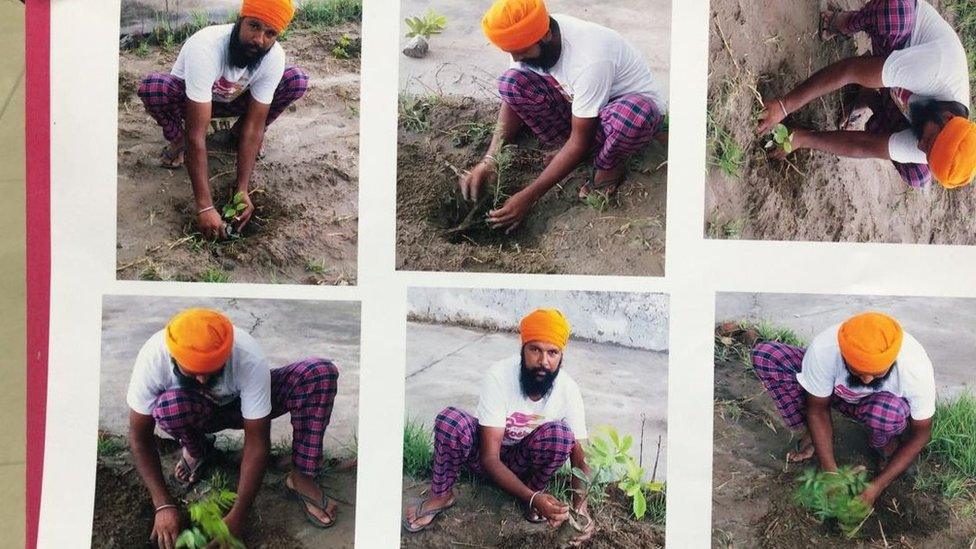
870,342
200,340
513,25
546,325
277,13
953,154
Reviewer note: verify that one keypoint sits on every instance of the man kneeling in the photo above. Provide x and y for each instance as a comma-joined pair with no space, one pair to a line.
529,421
201,375
866,368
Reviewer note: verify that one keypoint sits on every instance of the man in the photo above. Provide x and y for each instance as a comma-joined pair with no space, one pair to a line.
225,71
868,369
201,375
529,421
916,84
572,83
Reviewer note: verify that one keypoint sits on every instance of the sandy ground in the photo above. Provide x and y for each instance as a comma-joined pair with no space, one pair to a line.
753,487
445,366
287,330
462,61
561,235
946,327
619,385
305,188
769,47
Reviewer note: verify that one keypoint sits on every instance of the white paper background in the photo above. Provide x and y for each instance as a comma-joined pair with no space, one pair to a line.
84,69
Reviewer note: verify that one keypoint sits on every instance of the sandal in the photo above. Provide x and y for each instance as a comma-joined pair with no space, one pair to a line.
532,515
798,448
421,513
320,505
828,30
168,157
613,183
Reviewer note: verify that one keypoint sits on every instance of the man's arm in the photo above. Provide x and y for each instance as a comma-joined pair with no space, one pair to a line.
844,143
142,444
580,141
248,148
254,461
921,433
577,459
491,445
864,71
821,430
197,166
507,129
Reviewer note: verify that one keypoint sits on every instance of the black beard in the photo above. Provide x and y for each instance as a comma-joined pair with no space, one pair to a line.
922,113
531,385
190,383
855,381
241,56
551,50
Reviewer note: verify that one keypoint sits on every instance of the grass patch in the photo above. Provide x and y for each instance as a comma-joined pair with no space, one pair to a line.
964,19
724,153
110,445
418,449
414,112
328,13
770,332
316,266
954,434
213,274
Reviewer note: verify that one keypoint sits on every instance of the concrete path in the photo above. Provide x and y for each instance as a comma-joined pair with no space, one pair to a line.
445,366
287,330
946,327
462,61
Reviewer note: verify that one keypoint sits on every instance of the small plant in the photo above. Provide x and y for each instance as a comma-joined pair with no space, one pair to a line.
782,138
954,434
598,200
143,49
767,331
428,25
342,49
471,132
198,20
418,449
213,274
109,445
726,154
414,113
316,266
169,42
207,522
835,496
234,207
611,461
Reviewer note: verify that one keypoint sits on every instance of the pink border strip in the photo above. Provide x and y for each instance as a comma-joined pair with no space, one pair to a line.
38,132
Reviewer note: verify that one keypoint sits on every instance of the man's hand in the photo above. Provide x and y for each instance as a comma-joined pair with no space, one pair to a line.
241,219
473,180
871,494
773,113
234,525
588,531
512,212
551,508
166,528
797,140
211,225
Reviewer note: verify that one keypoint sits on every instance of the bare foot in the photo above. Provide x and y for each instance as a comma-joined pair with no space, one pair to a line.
804,451
171,156
430,504
604,181
307,486
833,23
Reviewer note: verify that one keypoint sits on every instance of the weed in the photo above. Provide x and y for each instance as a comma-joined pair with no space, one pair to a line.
344,48
214,274
729,410
143,49
954,434
281,448
150,273
770,332
109,445
726,154
964,19
207,521
198,20
415,113
316,266
328,13
598,200
835,496
169,42
471,132
428,25
418,449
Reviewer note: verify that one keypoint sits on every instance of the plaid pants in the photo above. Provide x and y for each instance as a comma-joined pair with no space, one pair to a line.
533,460
890,24
164,96
884,414
627,123
304,389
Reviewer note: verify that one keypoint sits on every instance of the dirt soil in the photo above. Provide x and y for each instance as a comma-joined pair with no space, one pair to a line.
124,512
305,189
753,486
767,47
484,516
561,234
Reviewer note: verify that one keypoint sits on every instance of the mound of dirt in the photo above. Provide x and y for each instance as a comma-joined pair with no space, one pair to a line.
753,486
441,137
484,516
764,49
123,514
304,189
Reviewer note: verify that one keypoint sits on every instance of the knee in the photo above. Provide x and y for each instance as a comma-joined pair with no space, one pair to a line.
512,82
149,85
559,434
175,405
455,424
895,411
294,81
315,367
762,352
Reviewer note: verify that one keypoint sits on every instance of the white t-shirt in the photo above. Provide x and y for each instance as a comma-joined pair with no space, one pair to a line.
247,375
932,66
595,65
824,374
204,64
501,403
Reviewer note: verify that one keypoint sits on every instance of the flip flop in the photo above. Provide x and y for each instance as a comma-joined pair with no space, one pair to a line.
797,448
169,156
320,505
422,514
532,516
195,473
616,182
